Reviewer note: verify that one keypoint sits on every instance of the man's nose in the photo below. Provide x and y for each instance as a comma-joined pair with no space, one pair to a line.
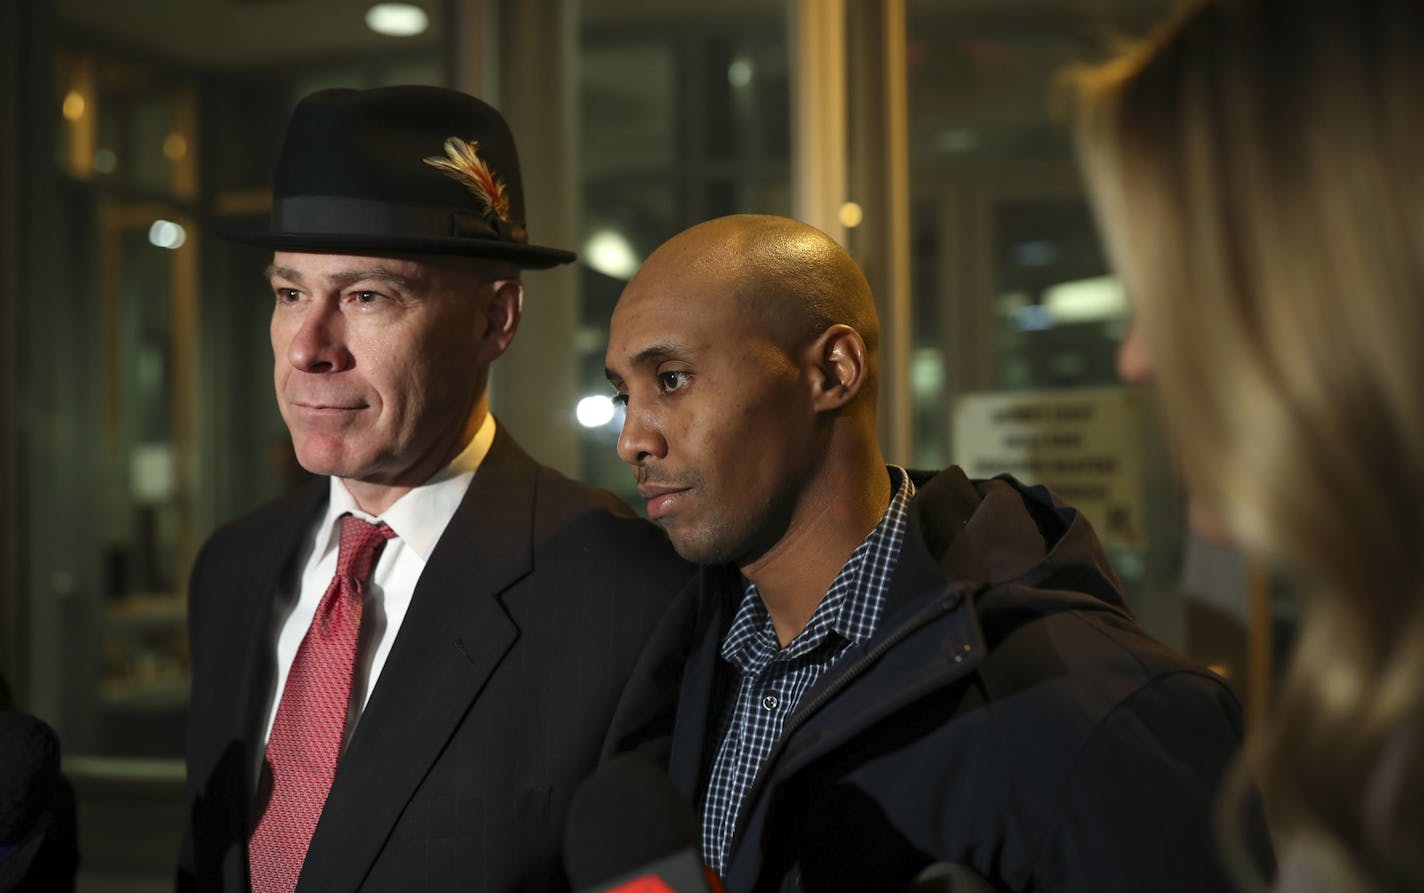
641,437
319,343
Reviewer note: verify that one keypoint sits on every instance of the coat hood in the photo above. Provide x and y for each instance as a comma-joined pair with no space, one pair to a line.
1017,545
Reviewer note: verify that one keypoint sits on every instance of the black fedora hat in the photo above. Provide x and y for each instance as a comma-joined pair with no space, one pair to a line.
408,169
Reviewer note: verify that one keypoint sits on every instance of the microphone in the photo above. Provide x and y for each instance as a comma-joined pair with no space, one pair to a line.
949,877
630,831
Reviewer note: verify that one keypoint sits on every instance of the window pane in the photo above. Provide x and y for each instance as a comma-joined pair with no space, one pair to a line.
149,416
683,117
1013,295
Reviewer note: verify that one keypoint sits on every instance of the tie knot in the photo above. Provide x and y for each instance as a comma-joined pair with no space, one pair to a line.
361,542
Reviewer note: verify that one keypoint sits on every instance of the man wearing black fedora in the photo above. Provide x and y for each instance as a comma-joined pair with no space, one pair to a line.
401,670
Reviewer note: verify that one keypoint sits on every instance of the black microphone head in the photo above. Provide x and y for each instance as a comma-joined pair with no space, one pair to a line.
626,815
29,772
950,877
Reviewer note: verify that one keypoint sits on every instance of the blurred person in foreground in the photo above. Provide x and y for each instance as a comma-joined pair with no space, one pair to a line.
402,669
893,668
1258,172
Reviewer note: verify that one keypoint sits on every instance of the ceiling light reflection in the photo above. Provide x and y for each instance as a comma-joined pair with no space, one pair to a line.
609,252
595,411
73,105
167,234
397,19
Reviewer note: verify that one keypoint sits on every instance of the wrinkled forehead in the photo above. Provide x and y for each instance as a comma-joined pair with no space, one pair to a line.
684,310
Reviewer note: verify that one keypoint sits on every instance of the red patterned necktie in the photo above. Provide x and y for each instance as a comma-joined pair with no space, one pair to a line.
311,718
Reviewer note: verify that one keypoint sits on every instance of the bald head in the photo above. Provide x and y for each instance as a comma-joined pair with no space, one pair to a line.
743,352
785,273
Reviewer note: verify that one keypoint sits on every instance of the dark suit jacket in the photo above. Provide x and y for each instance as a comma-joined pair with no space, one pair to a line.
1007,715
545,633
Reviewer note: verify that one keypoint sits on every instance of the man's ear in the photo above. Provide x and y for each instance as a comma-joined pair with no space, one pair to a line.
501,318
841,367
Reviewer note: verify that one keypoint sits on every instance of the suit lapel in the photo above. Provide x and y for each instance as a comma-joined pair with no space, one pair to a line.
452,639
241,632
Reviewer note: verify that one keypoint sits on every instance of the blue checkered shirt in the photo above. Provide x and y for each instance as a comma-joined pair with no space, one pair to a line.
772,679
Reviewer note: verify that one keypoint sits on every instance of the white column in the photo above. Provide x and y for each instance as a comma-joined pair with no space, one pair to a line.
818,101
522,57
880,184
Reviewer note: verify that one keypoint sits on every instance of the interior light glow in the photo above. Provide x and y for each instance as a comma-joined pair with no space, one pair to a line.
851,214
175,147
739,73
397,19
594,411
1098,299
73,105
927,373
167,234
609,252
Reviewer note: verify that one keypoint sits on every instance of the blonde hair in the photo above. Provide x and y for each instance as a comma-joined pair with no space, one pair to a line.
1258,171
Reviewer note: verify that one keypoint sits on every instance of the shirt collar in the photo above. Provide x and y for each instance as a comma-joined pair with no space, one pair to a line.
421,515
852,605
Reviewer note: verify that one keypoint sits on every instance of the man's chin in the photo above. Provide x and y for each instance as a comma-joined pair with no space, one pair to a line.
693,545
326,459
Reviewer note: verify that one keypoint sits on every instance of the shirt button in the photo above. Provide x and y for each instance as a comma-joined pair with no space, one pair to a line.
770,702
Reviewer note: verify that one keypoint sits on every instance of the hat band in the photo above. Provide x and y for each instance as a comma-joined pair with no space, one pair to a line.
341,215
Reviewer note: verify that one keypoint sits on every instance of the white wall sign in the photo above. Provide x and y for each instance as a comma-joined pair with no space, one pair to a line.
1085,445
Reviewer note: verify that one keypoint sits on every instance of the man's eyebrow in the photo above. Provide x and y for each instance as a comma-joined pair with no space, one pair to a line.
653,353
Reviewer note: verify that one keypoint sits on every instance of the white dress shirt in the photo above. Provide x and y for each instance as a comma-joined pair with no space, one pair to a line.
418,519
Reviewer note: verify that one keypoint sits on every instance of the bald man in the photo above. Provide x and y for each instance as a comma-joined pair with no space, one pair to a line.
894,668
